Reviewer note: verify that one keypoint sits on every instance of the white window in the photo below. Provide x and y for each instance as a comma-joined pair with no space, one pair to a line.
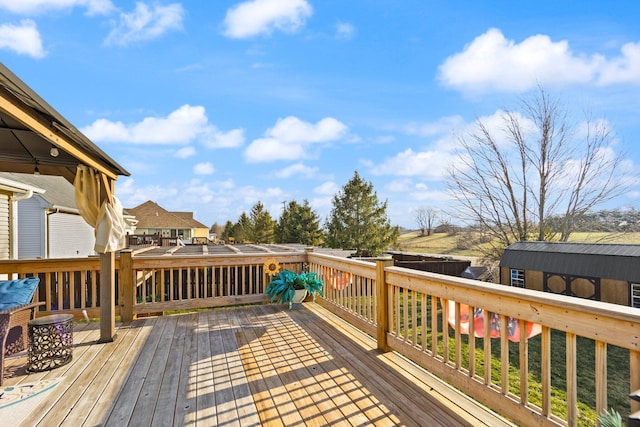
635,295
517,278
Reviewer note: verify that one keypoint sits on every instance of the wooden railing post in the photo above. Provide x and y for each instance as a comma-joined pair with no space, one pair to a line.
107,297
125,274
382,296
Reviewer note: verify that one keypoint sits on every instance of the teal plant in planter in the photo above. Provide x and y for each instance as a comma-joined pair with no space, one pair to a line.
283,286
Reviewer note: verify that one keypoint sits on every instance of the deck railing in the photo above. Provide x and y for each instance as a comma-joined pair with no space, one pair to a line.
70,285
426,317
166,283
438,322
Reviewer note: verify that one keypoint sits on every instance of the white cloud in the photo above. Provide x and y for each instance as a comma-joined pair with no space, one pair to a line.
269,149
297,170
185,152
28,7
345,30
205,168
23,39
255,17
146,23
291,137
183,126
427,164
218,139
492,62
624,69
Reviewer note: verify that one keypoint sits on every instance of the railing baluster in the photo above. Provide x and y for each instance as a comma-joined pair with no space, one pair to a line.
405,314
523,347
414,318
504,355
458,337
423,320
487,347
572,381
472,342
72,291
445,331
83,289
601,376
545,367
434,326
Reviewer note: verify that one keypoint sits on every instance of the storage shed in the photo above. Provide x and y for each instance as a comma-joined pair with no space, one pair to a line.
597,271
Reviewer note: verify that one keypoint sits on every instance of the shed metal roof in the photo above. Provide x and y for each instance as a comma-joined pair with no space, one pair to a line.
603,260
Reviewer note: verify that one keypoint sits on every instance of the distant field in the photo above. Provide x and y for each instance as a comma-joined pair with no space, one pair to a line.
459,244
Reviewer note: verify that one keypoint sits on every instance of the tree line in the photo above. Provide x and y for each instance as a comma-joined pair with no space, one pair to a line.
358,221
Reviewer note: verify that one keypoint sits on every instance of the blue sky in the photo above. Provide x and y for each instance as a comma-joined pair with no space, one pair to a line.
215,105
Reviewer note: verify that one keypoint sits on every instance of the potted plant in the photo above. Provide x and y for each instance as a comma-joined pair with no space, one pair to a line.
289,287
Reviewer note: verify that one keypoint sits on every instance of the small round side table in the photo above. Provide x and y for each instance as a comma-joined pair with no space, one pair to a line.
50,342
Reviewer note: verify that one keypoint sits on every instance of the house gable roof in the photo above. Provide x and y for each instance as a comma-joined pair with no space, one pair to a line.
604,260
58,192
151,215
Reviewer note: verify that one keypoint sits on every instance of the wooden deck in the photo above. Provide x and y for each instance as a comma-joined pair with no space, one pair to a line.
258,365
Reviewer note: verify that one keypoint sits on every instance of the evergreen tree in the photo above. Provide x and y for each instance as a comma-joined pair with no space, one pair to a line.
242,229
359,221
262,225
299,224
228,231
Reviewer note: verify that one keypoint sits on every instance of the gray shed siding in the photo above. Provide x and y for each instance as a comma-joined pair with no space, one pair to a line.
610,261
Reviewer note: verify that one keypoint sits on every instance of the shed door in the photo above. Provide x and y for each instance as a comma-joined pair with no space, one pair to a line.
5,229
69,236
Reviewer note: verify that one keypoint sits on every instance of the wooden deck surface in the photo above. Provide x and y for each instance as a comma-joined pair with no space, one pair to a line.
258,365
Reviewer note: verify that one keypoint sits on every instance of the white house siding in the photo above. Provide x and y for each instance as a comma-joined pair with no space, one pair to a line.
69,236
31,228
5,229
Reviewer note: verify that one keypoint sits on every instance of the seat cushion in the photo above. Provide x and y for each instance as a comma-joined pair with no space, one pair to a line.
17,292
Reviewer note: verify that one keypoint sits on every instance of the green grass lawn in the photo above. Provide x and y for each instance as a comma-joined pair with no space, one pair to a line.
617,370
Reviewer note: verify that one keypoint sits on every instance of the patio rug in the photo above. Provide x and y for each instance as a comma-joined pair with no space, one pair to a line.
17,401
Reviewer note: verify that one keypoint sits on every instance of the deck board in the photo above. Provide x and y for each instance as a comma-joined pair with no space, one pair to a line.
249,366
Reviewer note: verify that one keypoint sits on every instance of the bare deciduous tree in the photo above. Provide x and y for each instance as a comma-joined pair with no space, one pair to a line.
511,181
426,217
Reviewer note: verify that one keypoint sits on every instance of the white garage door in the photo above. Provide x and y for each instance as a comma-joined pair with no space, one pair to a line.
69,236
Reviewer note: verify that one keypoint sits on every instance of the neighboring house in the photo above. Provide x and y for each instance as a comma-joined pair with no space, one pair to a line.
153,219
597,271
48,223
11,192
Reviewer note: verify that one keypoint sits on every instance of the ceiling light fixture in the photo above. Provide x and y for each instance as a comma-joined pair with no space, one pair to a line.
54,152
